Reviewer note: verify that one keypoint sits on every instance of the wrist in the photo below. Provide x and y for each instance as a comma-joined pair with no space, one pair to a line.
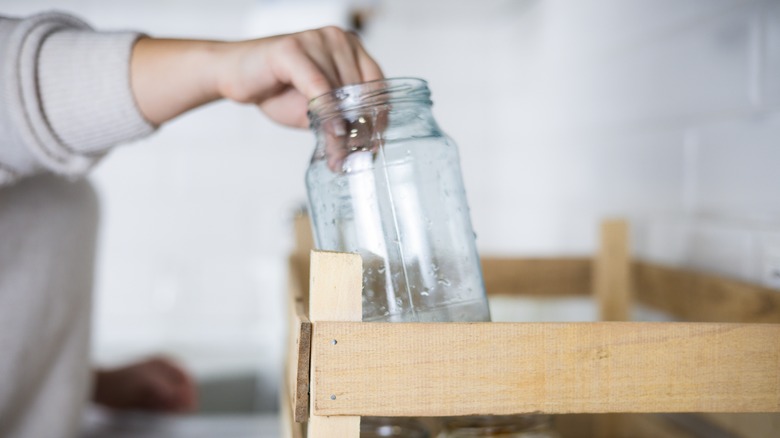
241,70
209,57
170,77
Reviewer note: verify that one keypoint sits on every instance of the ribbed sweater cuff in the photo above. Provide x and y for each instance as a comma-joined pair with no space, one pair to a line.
84,78
68,92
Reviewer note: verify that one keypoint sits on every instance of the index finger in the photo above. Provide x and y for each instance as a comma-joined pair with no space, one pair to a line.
302,72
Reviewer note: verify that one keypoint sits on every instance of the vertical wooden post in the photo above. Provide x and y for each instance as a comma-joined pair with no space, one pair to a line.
304,240
611,289
335,294
612,272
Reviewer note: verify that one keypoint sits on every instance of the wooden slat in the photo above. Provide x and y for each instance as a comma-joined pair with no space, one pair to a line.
295,390
703,297
290,428
299,275
304,238
298,345
612,272
507,368
335,294
537,276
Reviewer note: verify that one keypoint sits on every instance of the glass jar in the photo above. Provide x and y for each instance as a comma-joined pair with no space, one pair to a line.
385,182
392,427
500,426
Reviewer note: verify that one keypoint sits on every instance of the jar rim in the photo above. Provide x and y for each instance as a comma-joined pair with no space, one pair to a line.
367,94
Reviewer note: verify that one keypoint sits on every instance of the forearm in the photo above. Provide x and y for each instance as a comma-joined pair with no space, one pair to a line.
169,77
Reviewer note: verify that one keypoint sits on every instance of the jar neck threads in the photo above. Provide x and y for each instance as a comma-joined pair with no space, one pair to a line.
350,101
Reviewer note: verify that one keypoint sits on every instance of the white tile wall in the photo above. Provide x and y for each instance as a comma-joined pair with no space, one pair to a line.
738,168
567,112
771,55
687,73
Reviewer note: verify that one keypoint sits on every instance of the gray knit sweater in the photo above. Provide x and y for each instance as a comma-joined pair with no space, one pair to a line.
65,99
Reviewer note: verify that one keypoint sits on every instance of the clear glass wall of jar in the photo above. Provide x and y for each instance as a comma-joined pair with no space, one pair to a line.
385,182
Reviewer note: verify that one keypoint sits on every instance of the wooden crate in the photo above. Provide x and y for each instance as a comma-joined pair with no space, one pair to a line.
340,368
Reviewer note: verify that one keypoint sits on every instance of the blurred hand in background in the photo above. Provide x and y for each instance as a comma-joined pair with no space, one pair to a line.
156,384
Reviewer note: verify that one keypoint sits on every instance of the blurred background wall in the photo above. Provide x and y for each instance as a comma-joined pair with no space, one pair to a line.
666,112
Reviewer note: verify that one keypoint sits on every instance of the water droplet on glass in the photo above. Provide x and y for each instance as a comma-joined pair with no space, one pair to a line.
398,301
444,282
425,292
380,270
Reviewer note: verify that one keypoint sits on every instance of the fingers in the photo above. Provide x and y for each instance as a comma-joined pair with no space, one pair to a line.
369,69
326,58
288,108
282,74
303,72
177,389
344,50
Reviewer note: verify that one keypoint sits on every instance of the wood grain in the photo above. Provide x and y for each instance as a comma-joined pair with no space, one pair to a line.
507,368
335,294
290,428
304,238
612,272
298,345
695,296
549,277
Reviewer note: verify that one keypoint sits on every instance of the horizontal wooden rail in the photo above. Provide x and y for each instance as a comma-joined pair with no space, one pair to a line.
507,368
695,296
537,276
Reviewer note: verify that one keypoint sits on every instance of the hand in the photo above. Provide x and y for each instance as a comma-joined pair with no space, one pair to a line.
152,385
279,74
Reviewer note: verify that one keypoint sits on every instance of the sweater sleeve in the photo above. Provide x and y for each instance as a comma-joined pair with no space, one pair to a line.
65,96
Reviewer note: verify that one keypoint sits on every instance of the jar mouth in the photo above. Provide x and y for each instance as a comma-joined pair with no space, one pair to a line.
368,94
